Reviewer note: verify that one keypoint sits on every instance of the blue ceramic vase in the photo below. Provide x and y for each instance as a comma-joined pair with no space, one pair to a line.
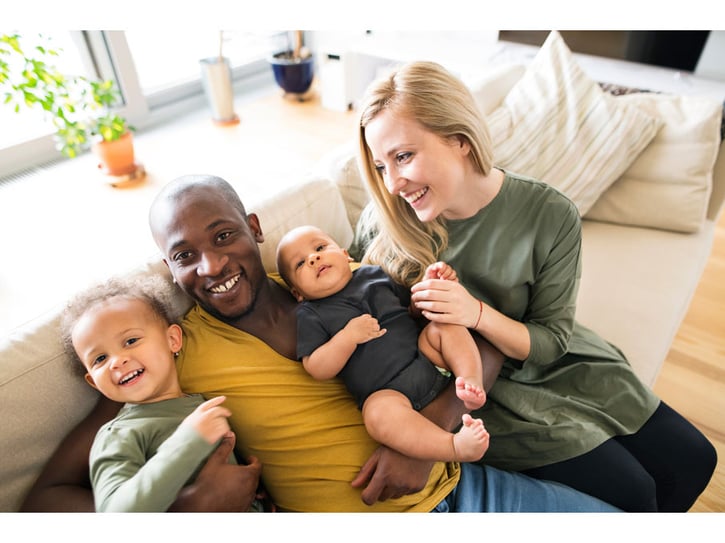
294,76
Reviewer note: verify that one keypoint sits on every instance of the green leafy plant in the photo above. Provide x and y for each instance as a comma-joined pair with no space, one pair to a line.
81,109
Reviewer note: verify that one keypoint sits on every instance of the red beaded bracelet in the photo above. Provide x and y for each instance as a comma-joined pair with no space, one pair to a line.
480,312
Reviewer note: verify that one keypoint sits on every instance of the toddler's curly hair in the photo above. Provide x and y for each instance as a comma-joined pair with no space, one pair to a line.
153,290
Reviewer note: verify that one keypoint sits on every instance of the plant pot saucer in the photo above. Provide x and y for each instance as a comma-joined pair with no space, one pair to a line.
127,180
298,96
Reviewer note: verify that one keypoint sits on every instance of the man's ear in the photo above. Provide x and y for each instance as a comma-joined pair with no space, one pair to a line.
169,268
349,258
253,222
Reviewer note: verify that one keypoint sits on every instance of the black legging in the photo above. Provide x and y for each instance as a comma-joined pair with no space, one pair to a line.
665,466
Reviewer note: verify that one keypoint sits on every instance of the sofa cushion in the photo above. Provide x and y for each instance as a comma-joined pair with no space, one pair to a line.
46,395
314,201
636,286
558,125
41,398
341,166
668,185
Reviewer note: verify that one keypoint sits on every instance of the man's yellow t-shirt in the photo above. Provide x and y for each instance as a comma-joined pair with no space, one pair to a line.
308,434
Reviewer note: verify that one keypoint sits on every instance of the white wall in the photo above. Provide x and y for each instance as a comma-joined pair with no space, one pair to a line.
476,44
712,60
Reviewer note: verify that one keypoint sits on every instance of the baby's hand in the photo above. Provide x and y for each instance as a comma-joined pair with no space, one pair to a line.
364,328
210,419
440,270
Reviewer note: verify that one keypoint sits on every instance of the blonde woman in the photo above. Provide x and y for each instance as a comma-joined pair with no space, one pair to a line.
566,405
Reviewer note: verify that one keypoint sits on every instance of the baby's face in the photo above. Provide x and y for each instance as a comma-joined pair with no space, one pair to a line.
315,265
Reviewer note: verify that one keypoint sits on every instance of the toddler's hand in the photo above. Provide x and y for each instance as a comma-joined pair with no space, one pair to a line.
440,270
364,328
210,419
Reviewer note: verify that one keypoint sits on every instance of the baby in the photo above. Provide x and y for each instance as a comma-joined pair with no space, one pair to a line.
357,324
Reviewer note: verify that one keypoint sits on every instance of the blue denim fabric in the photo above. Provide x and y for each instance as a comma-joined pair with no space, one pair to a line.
483,489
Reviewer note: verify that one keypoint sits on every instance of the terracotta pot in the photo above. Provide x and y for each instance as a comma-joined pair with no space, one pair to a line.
116,157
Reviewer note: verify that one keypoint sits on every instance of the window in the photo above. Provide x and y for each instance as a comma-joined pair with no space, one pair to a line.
153,74
30,124
160,71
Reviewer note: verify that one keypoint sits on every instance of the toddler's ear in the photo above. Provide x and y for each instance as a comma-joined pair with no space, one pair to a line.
90,380
175,335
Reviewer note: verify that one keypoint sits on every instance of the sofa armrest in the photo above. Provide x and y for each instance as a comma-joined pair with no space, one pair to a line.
717,197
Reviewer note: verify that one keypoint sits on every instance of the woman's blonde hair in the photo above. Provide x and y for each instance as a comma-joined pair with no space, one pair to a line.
443,105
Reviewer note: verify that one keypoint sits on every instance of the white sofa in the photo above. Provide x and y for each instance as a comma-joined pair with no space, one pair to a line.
637,282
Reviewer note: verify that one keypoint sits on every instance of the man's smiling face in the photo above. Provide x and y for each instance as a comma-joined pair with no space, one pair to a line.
211,249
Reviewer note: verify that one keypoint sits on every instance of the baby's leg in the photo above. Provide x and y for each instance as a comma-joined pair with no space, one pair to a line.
391,420
452,347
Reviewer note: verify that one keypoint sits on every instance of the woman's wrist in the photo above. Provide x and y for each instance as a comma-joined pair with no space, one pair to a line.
478,318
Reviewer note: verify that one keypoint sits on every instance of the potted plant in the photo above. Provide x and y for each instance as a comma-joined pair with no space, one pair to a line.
293,67
216,77
81,109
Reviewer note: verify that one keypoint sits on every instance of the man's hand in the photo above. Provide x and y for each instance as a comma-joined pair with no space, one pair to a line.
221,486
388,474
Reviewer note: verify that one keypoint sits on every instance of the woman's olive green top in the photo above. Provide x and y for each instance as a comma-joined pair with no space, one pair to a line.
521,254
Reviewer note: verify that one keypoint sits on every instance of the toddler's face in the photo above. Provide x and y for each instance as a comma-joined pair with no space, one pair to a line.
128,351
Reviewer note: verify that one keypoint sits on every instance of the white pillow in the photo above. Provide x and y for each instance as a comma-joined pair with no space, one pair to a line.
341,166
668,186
557,125
490,88
314,201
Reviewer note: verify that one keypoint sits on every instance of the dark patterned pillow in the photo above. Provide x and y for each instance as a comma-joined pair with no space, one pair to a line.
620,90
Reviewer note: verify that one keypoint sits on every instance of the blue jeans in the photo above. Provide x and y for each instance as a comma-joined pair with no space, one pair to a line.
483,489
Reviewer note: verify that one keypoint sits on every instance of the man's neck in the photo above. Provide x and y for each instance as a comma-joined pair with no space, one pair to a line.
273,319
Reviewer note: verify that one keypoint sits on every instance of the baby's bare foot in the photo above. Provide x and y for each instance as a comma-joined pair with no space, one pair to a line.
471,441
472,395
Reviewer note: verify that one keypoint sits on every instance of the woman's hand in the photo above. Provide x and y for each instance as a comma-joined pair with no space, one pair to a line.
444,301
449,302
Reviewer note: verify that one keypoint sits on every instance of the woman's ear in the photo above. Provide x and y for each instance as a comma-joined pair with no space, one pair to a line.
464,145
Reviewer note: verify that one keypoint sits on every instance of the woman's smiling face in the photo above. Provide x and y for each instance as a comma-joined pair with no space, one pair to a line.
424,169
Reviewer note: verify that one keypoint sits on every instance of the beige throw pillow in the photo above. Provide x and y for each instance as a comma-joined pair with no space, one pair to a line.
557,125
668,186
